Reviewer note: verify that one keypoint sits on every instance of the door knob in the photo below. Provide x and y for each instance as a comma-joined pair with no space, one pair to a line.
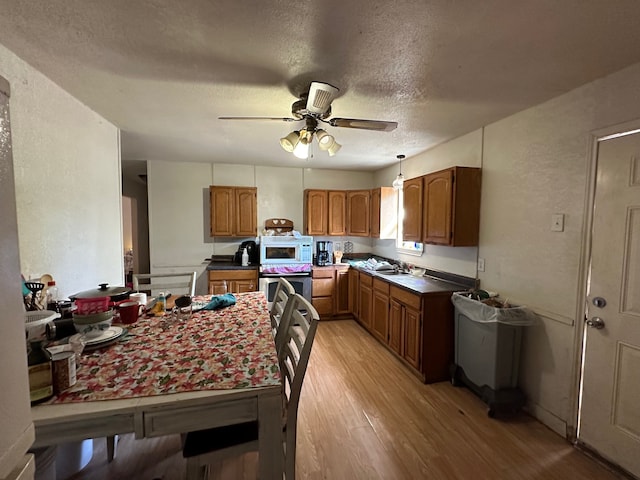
595,322
599,302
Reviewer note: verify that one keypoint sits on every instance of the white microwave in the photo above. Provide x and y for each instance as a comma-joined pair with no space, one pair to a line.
276,250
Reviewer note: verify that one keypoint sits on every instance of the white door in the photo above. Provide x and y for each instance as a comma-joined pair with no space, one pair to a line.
610,404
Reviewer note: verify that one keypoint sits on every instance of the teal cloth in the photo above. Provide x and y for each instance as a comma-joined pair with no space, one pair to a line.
220,301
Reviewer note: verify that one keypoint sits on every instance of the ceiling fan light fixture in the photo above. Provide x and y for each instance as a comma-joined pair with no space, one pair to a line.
301,149
289,142
325,140
333,149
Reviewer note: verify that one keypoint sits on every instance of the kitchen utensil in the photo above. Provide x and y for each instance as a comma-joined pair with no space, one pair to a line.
36,323
34,288
116,294
182,309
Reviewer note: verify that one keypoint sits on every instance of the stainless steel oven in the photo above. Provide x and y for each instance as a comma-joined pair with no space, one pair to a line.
301,283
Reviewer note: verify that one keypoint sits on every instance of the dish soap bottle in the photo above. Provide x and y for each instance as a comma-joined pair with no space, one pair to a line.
245,258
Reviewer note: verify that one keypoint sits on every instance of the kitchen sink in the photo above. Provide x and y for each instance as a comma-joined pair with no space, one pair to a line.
390,272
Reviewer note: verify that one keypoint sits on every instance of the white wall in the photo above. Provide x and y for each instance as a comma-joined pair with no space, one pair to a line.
15,409
179,207
67,179
535,164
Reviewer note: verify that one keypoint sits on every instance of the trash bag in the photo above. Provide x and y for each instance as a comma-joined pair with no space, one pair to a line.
480,312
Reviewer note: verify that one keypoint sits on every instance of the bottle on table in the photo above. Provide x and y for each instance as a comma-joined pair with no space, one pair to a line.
40,373
245,258
52,296
162,302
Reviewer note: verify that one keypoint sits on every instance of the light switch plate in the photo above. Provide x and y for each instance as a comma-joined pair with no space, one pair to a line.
557,222
481,264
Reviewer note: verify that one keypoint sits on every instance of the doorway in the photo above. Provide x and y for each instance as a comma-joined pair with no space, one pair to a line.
129,237
609,407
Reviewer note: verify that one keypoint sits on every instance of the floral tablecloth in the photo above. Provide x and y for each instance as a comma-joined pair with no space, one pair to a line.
220,349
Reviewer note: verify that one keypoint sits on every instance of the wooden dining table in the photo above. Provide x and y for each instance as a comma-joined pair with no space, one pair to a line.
165,376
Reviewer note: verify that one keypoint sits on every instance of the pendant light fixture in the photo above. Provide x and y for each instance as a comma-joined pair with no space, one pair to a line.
399,181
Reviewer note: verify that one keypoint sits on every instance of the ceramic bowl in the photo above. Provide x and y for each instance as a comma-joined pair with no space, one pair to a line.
93,325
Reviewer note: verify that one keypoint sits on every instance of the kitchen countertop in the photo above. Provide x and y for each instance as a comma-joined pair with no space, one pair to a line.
421,285
226,262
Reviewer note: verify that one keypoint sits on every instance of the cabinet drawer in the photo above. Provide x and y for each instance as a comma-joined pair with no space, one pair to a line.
409,299
381,286
322,287
324,305
366,279
322,272
233,274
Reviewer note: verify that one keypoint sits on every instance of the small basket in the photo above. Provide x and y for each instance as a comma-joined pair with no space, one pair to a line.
87,306
36,322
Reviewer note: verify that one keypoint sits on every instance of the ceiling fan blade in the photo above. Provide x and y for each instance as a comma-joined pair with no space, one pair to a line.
320,97
379,125
281,119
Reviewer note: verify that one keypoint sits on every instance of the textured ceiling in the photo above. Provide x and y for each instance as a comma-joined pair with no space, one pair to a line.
164,71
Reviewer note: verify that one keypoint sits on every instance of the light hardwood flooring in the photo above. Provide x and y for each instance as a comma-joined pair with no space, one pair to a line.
363,416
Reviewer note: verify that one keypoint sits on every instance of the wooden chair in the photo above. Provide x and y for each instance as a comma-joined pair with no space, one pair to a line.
206,447
176,283
283,292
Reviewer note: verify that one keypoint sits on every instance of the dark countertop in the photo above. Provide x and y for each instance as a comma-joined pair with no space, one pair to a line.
421,285
226,262
429,283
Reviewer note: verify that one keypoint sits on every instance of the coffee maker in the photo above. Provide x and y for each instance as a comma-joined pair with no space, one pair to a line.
324,253
252,251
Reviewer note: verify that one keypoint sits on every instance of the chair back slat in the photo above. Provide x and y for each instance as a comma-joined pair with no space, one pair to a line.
296,349
176,283
284,291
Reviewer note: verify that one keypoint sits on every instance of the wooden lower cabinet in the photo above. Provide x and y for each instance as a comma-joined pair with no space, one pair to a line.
232,281
354,292
418,328
380,310
330,291
342,290
364,300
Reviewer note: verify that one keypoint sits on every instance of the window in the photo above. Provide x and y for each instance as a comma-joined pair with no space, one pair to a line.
408,248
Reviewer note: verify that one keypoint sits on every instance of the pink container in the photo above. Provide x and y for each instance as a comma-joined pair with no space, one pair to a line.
86,306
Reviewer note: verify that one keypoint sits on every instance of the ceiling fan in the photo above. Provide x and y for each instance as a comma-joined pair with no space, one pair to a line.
314,107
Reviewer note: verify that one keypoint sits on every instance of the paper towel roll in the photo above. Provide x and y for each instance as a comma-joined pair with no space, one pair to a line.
139,297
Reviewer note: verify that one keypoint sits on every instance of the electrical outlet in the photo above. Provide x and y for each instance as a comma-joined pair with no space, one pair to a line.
481,264
557,222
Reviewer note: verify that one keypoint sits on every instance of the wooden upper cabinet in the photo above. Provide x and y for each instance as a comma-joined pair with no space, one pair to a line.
412,204
437,201
222,211
451,213
315,212
246,216
358,213
233,211
337,208
374,230
384,213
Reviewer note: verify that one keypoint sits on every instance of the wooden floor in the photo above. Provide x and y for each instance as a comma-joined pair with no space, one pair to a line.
364,416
